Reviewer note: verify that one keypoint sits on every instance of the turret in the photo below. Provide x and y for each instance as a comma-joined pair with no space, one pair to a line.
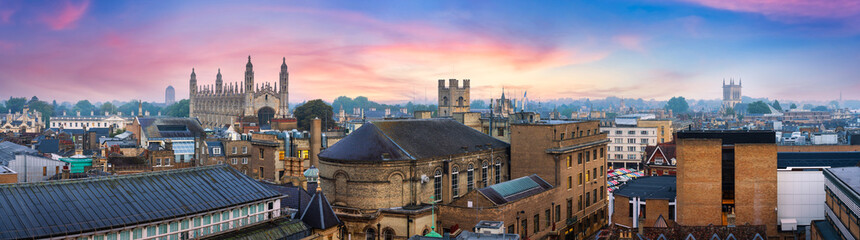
249,76
284,80
219,83
192,91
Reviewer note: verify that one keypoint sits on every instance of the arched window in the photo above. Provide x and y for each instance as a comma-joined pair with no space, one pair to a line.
370,234
470,177
437,186
444,101
388,234
497,170
484,170
455,175
460,101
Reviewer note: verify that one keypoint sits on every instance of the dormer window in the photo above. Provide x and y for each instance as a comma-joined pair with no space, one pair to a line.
216,150
658,160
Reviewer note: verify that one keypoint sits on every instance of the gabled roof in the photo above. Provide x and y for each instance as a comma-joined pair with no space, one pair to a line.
667,150
58,208
318,214
409,139
515,189
170,127
297,198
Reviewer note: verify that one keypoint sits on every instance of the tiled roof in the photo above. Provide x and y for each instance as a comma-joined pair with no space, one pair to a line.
58,208
515,189
410,139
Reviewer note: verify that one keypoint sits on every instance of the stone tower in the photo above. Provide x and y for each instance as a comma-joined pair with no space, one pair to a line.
453,98
192,92
731,94
284,80
249,88
219,83
169,95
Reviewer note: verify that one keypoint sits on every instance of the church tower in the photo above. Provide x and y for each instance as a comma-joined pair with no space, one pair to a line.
731,94
284,80
192,92
453,99
219,83
249,88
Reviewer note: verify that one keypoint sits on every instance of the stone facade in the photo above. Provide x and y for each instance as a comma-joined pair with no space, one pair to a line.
731,94
219,104
453,98
29,121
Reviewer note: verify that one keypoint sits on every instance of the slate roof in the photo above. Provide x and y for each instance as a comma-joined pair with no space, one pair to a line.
283,228
170,127
817,159
49,146
318,214
8,150
516,189
58,208
409,139
653,187
296,197
215,144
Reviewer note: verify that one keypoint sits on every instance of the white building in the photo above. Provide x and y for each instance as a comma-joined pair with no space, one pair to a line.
27,163
825,139
627,144
800,185
79,122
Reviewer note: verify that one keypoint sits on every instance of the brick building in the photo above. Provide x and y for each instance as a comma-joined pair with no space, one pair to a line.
723,173
660,160
570,155
381,177
648,201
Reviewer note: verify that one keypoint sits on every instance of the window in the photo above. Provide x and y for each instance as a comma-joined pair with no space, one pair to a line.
594,200
569,181
546,217
524,224
511,229
658,160
631,156
587,156
484,170
642,211
619,156
244,150
631,132
497,171
580,178
579,203
244,160
586,176
643,141
437,186
602,192
631,140
537,223
557,213
500,132
158,162
618,132
587,199
562,136
588,133
601,171
579,158
630,210
569,161
619,140
641,149
216,150
470,178
601,152
455,175
387,234
594,154
619,148
44,171
370,234
569,208
262,153
644,132
234,150
672,212
234,161
594,174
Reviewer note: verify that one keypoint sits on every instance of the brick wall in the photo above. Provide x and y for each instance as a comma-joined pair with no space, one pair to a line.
699,182
755,185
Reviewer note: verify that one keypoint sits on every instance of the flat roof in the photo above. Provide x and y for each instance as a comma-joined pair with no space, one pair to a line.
849,176
817,159
653,187
731,136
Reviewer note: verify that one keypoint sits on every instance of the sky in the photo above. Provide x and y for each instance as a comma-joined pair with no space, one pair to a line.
395,51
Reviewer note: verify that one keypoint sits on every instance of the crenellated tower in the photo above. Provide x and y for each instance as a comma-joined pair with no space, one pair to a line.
283,92
731,94
453,98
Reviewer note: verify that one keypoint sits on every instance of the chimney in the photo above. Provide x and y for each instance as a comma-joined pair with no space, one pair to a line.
92,113
64,113
78,113
316,135
168,145
66,173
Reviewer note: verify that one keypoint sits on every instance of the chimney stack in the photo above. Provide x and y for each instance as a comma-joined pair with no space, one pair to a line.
66,173
316,136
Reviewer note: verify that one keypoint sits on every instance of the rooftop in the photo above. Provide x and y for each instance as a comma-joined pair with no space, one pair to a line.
817,159
170,127
731,136
654,187
409,140
58,208
849,176
509,191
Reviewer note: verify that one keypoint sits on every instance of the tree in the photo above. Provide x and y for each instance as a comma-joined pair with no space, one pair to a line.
108,108
15,104
314,109
758,107
677,105
85,107
820,109
2,108
178,109
478,104
793,106
776,105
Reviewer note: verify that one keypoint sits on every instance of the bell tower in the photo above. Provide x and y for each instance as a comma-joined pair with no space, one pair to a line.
249,88
192,92
219,83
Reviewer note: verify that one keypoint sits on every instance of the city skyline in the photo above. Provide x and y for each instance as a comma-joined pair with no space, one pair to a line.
395,52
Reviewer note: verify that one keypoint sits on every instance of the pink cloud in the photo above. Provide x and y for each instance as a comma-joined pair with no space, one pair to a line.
781,9
6,15
67,16
630,42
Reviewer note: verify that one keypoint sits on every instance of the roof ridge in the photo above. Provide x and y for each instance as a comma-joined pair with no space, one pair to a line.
392,141
115,177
